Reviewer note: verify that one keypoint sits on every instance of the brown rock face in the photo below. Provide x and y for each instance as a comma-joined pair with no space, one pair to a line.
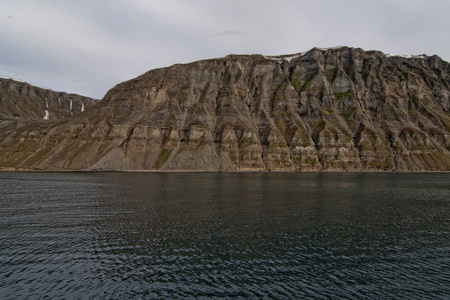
337,109
22,101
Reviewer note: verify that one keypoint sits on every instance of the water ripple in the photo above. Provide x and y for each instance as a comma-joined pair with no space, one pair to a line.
276,236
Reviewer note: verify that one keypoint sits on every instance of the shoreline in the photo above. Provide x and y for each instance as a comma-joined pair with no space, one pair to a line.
215,171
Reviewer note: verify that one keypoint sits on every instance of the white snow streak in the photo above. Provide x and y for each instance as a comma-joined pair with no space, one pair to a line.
82,106
47,115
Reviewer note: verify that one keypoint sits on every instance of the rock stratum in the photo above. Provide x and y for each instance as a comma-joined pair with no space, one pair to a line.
340,109
22,101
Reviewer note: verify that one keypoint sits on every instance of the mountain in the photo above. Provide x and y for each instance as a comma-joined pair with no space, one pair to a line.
22,102
326,109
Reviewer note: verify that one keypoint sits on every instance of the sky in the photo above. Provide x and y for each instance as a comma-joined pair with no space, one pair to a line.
89,46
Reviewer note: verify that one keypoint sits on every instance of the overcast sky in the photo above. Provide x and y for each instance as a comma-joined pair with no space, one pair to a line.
88,46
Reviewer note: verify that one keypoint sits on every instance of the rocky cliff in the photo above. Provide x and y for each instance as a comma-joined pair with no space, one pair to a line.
21,102
326,109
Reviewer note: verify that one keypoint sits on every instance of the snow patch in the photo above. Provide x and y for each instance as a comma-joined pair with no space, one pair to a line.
46,102
47,115
15,79
288,57
82,106
330,48
406,56
70,107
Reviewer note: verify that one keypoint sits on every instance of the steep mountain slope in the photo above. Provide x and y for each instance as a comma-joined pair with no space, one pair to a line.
20,100
326,109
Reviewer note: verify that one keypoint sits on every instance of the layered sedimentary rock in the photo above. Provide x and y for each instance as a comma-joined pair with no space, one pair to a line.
22,101
326,109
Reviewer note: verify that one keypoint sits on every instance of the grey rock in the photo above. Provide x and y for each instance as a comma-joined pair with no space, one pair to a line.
341,109
22,101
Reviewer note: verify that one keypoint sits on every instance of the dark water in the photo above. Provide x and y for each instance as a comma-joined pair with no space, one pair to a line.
224,235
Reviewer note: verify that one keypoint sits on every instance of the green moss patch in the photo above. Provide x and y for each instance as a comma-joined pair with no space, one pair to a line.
311,161
344,95
308,81
349,113
296,83
162,158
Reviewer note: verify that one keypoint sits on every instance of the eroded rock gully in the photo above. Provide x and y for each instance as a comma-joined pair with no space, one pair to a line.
336,109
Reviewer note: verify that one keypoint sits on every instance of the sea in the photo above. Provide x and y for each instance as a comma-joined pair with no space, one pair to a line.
207,235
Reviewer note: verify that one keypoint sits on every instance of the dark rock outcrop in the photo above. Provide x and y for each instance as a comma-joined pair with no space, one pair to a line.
326,109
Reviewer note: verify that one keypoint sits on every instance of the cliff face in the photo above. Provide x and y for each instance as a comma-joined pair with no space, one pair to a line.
22,103
20,100
335,109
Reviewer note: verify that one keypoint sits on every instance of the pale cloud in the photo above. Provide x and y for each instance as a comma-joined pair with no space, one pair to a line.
88,46
230,32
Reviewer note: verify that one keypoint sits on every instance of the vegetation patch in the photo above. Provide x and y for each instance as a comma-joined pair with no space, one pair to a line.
331,75
296,83
305,140
311,161
376,164
366,144
162,158
366,70
349,113
308,81
339,126
344,96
